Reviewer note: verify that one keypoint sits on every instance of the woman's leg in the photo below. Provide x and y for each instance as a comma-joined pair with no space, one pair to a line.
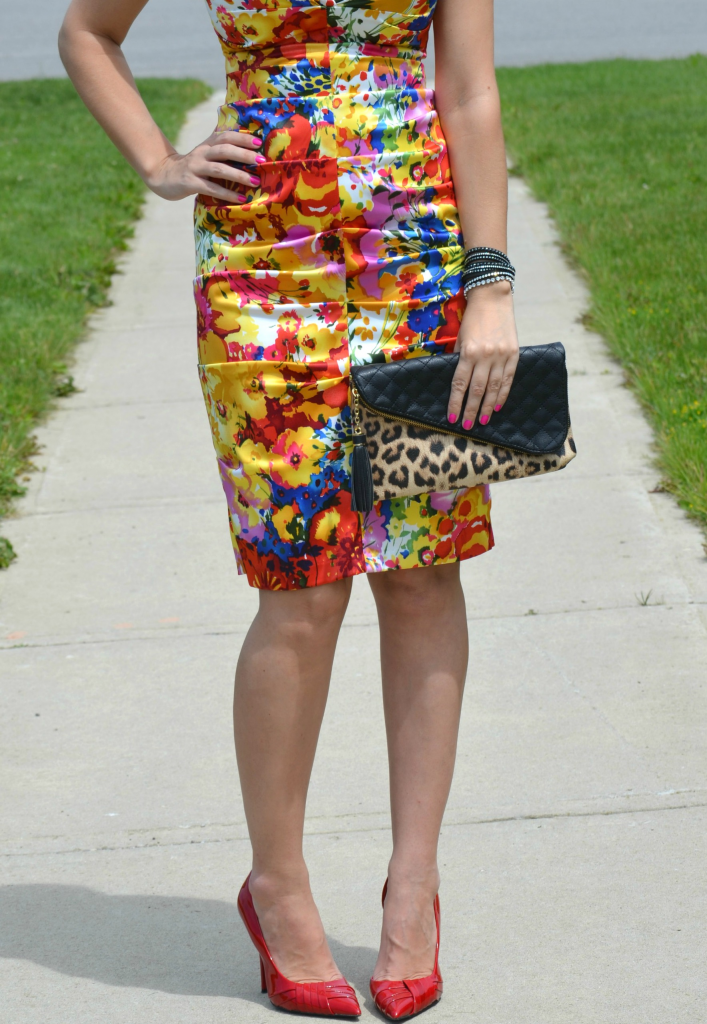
282,681
424,654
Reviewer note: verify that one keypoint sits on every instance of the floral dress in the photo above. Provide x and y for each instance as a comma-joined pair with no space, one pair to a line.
349,251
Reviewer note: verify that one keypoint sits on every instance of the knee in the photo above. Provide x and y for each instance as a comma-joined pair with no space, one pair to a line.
420,591
310,612
326,604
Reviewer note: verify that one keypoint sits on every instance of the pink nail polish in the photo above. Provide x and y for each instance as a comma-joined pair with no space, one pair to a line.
241,198
484,420
259,158
254,180
467,424
497,408
452,417
255,141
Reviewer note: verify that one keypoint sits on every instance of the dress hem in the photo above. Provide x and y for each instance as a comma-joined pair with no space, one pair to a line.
478,549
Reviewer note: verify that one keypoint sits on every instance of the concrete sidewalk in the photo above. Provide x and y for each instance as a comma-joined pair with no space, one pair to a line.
574,847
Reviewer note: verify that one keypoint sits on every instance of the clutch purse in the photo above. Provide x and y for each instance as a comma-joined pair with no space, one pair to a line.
404,444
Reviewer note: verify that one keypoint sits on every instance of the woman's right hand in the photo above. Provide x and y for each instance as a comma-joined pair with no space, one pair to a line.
178,176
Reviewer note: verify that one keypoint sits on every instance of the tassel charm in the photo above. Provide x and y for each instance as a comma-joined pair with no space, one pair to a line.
361,474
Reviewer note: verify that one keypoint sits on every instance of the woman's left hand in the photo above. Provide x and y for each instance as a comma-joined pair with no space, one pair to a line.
488,355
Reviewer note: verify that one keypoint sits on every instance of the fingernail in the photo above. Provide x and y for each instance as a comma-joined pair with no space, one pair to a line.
483,420
254,181
452,417
467,424
241,198
255,141
497,408
259,158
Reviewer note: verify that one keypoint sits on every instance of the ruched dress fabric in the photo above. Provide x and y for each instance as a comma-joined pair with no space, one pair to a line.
348,251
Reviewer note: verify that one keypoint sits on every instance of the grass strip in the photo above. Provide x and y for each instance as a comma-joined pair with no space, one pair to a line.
618,151
68,202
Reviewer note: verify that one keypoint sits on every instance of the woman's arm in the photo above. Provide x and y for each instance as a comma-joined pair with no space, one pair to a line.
470,112
90,47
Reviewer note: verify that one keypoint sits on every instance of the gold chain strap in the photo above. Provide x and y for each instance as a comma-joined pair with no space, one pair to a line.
356,410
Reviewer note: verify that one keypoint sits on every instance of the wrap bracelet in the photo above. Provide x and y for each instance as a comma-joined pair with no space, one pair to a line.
484,265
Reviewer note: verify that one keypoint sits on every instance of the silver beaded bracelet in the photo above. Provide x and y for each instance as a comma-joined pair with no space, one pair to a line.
492,279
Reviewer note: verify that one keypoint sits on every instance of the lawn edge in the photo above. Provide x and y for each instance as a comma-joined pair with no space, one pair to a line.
31,448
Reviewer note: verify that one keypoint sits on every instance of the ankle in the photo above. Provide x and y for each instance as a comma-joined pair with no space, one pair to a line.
409,878
268,884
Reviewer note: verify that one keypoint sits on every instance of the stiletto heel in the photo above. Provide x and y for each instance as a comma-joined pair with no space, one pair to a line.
399,999
324,998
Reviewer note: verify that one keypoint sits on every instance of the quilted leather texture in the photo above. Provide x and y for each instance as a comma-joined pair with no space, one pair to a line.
535,418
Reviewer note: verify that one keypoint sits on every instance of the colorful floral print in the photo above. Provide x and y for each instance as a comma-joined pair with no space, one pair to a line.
349,251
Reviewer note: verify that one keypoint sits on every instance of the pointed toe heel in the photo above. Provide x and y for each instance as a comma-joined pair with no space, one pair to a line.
398,1000
321,998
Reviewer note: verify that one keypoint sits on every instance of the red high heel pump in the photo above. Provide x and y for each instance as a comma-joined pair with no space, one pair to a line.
325,998
400,999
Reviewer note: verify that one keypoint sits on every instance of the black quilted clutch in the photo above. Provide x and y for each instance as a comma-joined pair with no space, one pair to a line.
404,443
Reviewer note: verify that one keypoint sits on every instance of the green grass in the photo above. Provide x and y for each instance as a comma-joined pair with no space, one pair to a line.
618,150
68,202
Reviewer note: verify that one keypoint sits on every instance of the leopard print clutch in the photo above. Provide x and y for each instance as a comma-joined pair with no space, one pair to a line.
404,445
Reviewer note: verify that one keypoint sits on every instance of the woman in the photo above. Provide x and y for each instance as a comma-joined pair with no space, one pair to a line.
328,232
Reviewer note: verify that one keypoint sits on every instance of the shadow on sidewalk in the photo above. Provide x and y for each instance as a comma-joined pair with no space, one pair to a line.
182,946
